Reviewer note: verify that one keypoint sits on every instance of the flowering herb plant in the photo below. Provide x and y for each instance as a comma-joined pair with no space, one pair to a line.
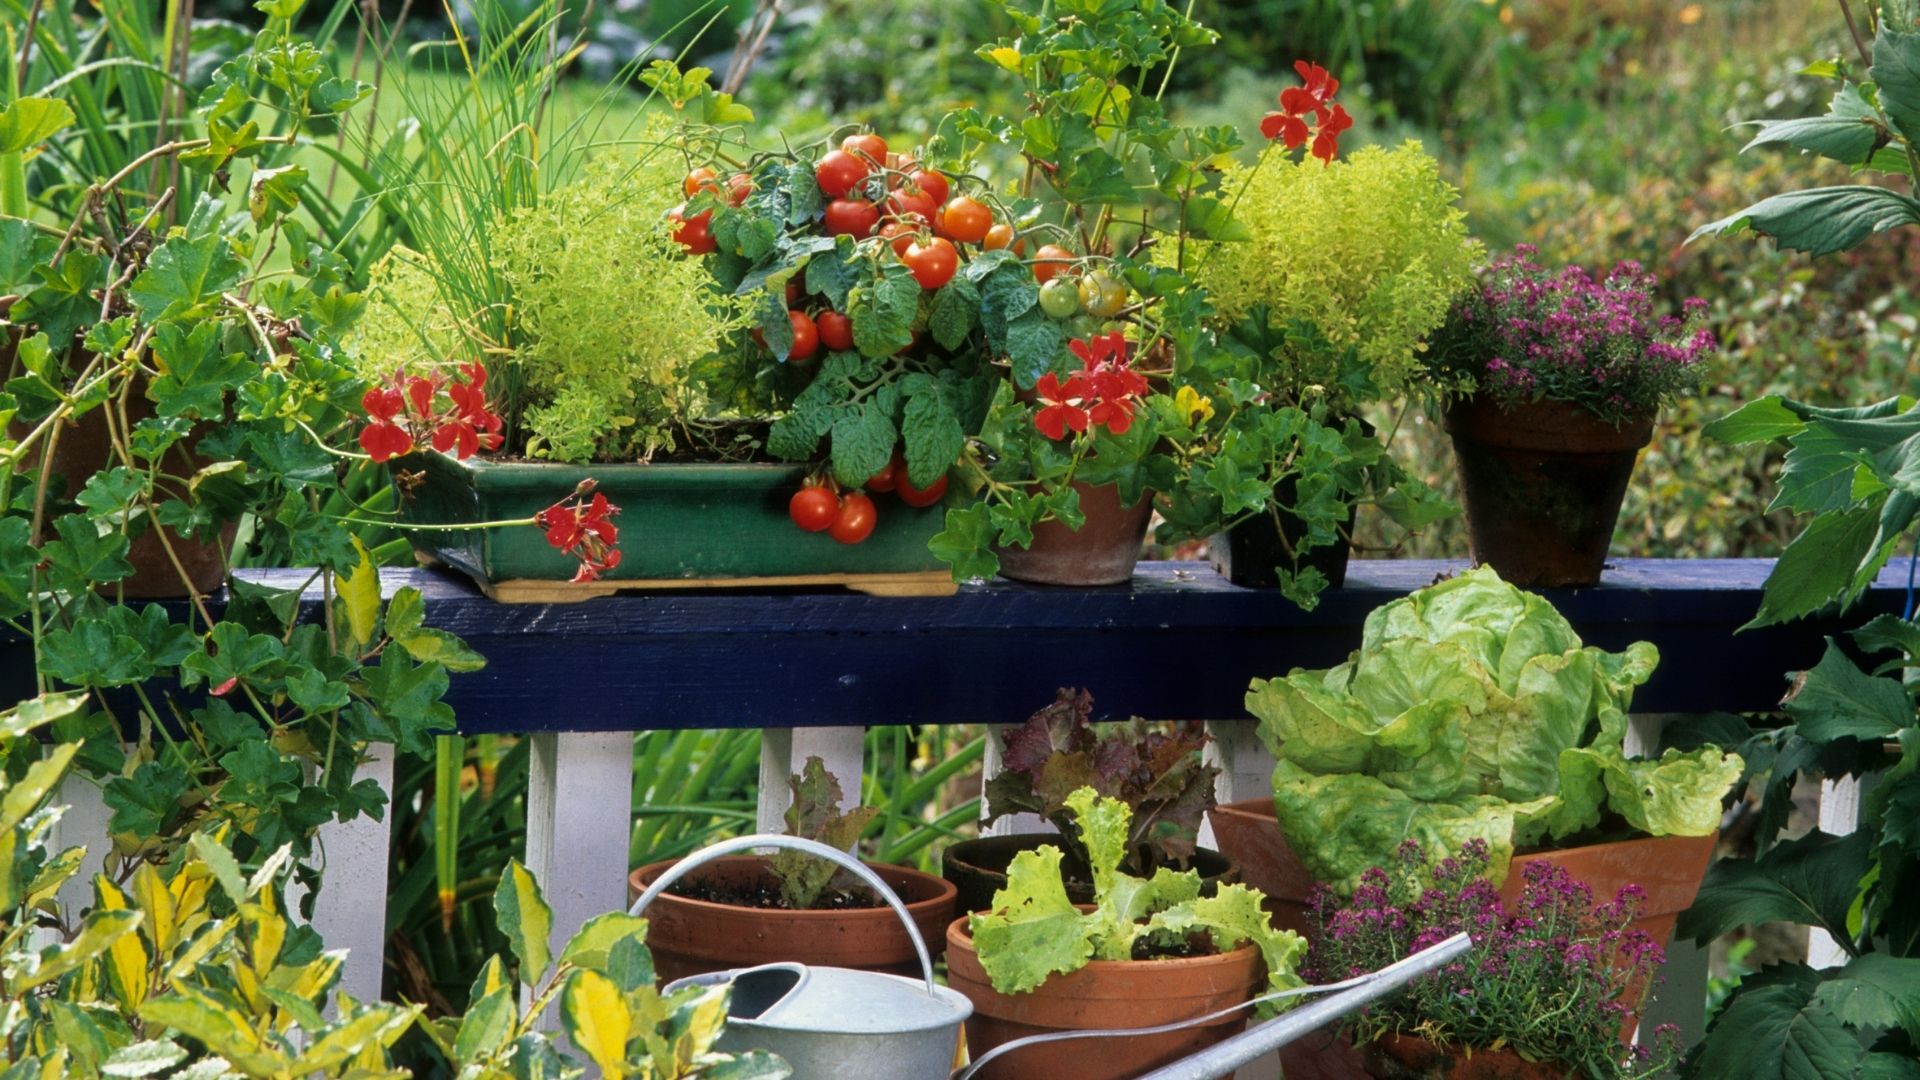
1528,333
1553,978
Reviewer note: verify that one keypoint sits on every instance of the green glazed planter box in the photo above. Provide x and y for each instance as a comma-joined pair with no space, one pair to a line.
681,526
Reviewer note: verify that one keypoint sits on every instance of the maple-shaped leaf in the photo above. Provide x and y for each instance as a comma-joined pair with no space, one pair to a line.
187,271
815,815
194,374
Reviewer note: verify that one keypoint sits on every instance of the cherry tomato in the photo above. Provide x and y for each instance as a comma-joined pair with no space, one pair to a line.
914,496
836,330
855,520
911,202
697,181
967,220
869,144
1050,262
806,338
899,234
932,261
1000,236
839,172
695,234
739,186
851,217
813,508
884,479
1102,295
793,291
1059,299
931,182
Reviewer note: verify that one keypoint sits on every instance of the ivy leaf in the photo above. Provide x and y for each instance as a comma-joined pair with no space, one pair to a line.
225,141
956,310
406,697
63,301
184,273
92,654
336,96
145,802
931,435
1836,700
230,655
85,555
966,543
110,493
29,121
194,375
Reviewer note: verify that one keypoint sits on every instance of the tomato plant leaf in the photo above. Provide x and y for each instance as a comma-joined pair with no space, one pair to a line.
931,434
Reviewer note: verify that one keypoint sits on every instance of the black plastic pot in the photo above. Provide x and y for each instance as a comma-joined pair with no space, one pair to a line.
1251,553
978,869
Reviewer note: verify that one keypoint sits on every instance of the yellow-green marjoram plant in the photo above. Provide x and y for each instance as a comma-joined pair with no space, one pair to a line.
1370,249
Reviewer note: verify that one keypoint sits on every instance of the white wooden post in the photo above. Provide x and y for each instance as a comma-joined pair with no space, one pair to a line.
990,766
579,817
1246,772
1839,814
351,911
784,752
82,824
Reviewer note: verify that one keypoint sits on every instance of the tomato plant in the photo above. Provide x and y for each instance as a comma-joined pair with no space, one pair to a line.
836,330
1050,262
839,172
868,145
914,496
851,217
1060,299
932,182
695,233
806,337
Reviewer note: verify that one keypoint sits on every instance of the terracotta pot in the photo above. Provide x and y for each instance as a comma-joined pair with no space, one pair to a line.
1406,1057
84,448
1669,868
1102,551
1104,994
978,869
1542,485
693,937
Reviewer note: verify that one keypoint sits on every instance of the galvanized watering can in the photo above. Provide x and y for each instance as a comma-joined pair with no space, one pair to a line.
833,1023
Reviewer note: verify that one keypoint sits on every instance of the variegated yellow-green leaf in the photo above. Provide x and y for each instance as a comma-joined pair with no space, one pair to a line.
487,1028
310,981
143,1059
31,789
698,1022
223,1029
360,592
54,874
524,916
221,863
270,869
596,1018
127,957
155,899
79,1033
37,712
267,932
590,946
375,1027
493,976
200,946
97,934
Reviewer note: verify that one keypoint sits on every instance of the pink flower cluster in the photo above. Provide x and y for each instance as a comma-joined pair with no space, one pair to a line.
1527,333
1552,954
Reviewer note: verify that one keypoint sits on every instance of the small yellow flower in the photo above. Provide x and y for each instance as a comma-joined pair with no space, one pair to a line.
1691,14
1197,410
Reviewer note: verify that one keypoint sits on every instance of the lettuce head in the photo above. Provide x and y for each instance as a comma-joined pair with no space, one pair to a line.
1470,711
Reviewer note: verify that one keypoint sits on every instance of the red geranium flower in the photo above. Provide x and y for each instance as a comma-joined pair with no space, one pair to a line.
1102,394
410,410
1314,99
581,525
1060,405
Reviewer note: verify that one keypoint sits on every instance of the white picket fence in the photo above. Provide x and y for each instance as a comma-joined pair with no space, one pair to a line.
580,819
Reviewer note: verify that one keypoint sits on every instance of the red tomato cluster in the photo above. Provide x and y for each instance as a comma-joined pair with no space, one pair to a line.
850,517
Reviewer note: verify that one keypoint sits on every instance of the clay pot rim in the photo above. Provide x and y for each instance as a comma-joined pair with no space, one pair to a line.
944,892
1263,808
957,935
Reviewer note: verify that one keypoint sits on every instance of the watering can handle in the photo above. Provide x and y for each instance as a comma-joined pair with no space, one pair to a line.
812,847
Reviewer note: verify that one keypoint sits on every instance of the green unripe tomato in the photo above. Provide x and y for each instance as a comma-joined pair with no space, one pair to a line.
1059,299
1101,295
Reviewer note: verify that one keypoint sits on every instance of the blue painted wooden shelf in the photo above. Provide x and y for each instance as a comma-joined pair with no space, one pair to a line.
1179,642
